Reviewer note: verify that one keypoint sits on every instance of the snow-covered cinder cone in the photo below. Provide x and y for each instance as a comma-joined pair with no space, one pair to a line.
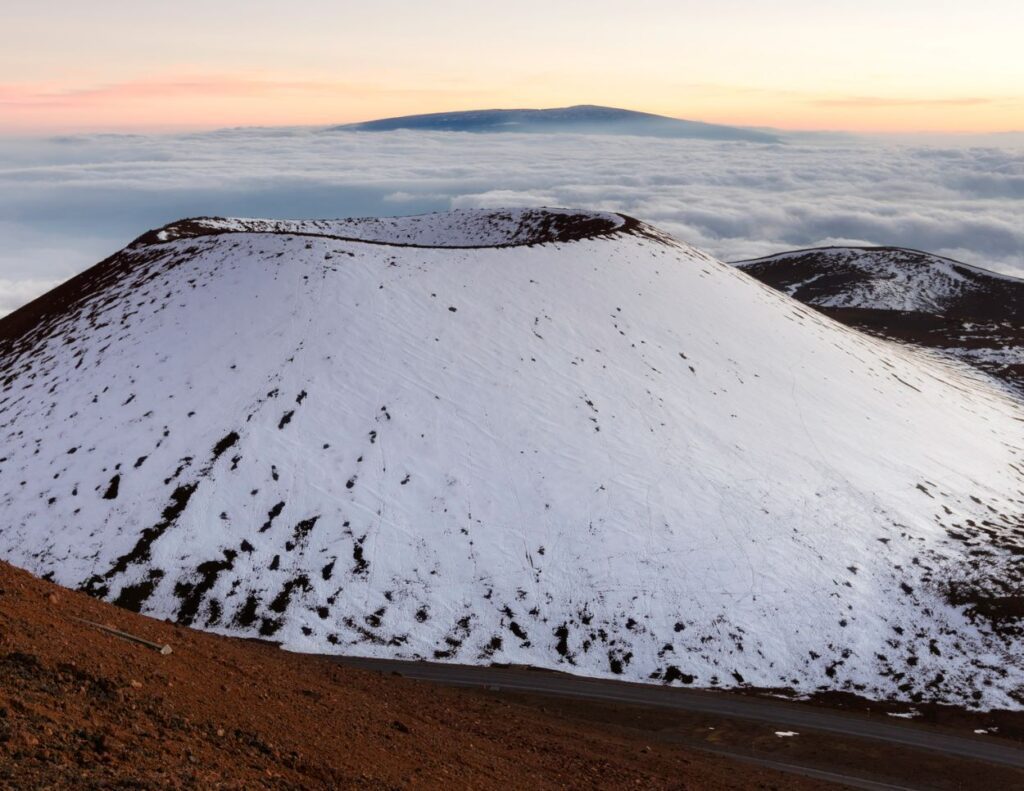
546,437
964,312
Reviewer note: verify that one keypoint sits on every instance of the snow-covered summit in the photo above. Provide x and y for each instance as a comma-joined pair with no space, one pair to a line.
601,451
466,228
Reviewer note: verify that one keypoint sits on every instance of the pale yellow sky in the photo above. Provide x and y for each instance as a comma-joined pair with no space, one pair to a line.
902,65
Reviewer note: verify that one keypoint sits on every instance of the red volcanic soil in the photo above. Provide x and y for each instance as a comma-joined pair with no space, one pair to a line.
82,708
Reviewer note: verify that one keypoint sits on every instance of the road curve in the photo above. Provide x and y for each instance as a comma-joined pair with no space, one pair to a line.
782,713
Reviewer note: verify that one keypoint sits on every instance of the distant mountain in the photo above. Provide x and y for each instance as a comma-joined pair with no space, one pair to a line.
542,437
581,119
965,311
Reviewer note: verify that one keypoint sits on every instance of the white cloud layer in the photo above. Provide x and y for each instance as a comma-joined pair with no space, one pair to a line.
66,203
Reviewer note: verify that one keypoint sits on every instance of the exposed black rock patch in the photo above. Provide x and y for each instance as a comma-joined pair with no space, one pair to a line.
226,442
562,646
361,564
283,599
673,673
302,530
246,615
274,512
113,488
132,597
191,593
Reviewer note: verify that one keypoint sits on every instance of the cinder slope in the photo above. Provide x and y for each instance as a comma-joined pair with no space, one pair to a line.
609,454
80,708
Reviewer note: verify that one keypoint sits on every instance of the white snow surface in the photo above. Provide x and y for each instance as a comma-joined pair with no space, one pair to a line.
614,456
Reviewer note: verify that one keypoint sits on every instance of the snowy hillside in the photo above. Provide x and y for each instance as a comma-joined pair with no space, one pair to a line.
966,312
889,278
553,438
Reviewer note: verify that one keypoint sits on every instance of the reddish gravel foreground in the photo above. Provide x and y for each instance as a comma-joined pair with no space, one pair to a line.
81,708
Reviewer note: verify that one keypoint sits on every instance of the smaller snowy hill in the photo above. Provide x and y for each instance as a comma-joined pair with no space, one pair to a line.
964,311
580,119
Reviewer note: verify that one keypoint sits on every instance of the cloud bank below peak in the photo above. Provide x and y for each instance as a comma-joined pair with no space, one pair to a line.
67,202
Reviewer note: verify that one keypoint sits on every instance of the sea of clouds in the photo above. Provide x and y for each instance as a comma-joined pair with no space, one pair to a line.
67,202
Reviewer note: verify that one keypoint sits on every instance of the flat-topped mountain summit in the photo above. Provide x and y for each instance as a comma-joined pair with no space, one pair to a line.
579,119
549,437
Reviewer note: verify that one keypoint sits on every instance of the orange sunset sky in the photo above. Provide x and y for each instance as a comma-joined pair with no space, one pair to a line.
898,66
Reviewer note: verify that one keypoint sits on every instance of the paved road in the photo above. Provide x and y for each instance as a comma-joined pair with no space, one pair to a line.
781,713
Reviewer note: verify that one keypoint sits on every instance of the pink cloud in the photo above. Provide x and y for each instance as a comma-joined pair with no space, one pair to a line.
29,94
